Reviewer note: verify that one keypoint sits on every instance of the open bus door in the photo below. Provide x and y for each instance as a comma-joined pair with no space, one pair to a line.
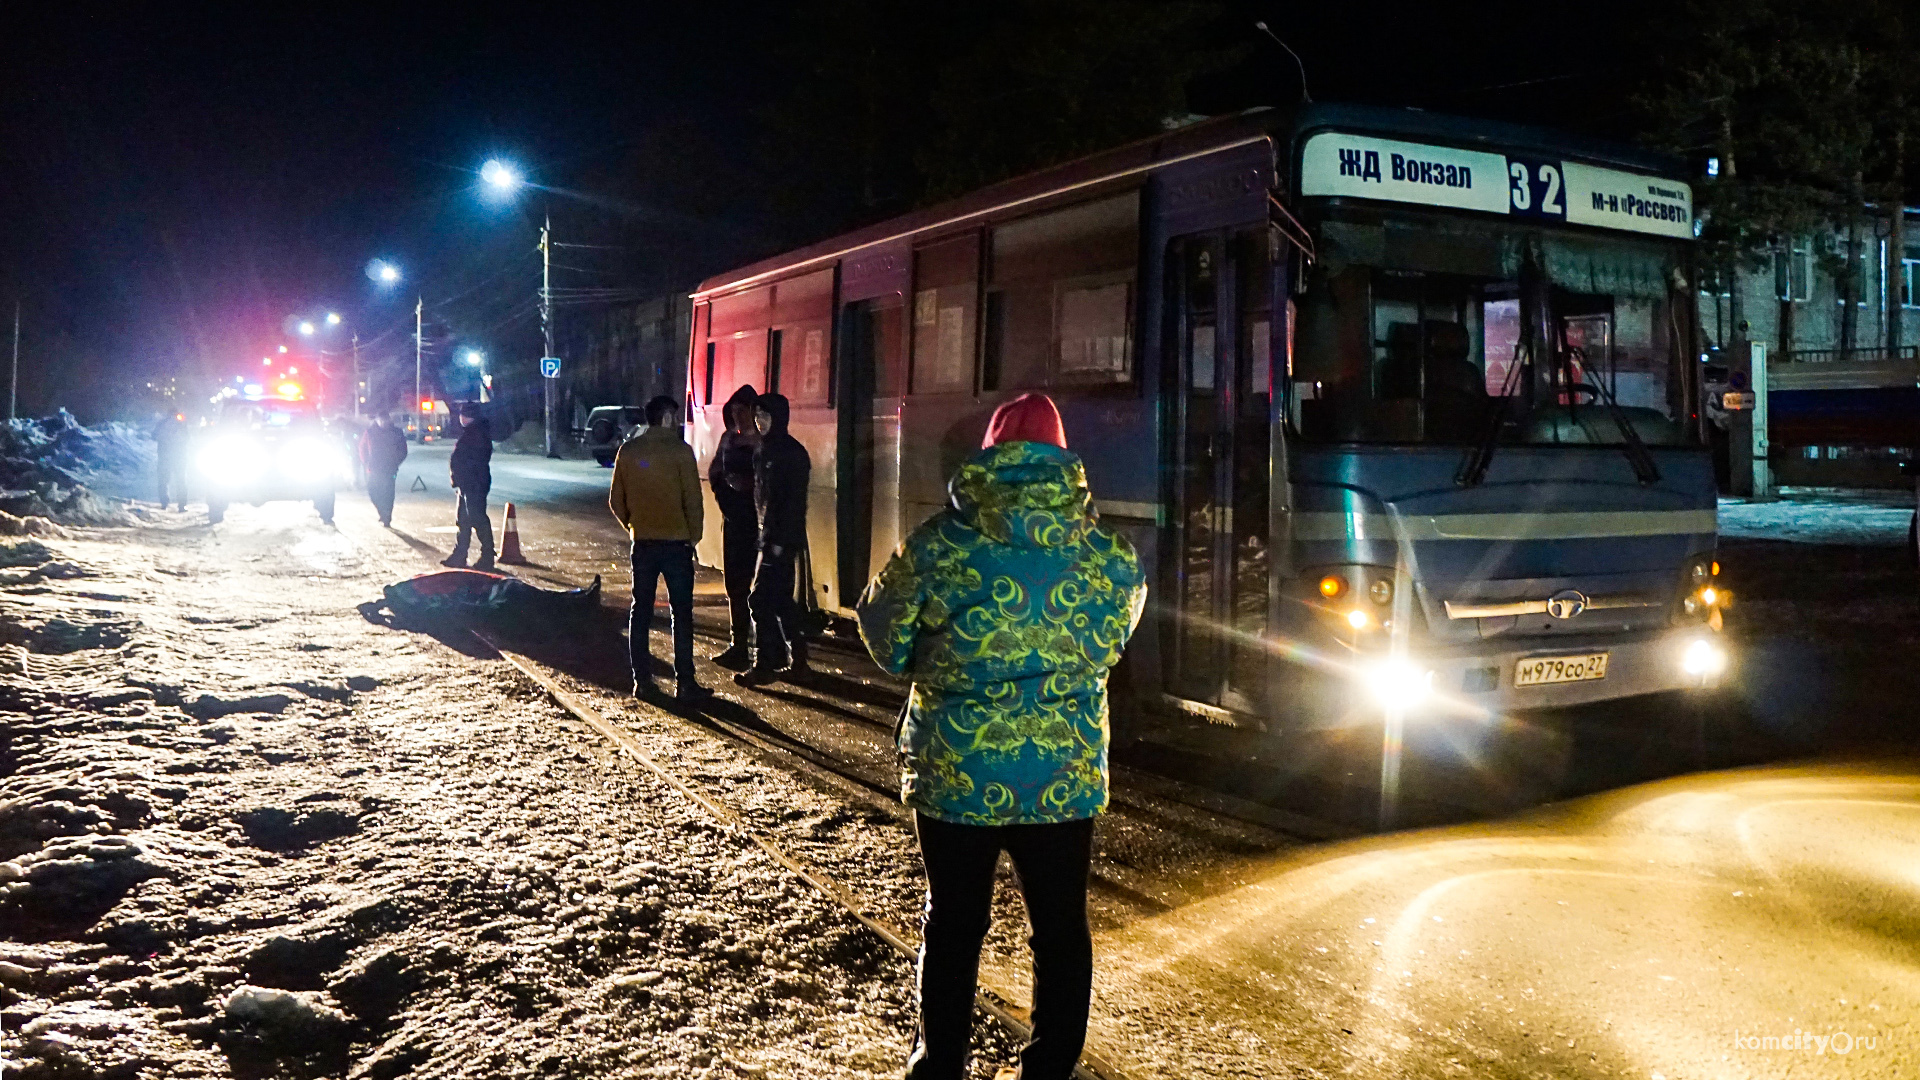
1218,557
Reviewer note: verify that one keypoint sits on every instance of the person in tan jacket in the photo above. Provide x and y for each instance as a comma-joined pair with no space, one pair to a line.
656,497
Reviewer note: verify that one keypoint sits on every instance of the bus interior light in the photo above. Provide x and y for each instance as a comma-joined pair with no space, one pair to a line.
1332,586
1359,619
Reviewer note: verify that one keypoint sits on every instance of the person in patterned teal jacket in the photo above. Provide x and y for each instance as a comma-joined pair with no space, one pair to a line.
1007,610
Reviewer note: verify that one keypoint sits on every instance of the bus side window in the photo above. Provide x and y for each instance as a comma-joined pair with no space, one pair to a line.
946,279
706,397
1060,301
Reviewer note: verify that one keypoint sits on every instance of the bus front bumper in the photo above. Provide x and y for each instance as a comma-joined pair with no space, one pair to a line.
1484,677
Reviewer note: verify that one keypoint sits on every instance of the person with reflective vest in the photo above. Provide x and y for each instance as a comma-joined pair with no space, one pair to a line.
1008,610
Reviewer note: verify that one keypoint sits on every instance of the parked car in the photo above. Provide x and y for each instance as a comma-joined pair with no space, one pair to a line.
610,425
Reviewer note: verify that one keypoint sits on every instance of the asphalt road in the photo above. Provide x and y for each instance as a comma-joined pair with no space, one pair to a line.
1750,923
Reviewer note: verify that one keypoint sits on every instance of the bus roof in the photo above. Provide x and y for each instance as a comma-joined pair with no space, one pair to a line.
1186,143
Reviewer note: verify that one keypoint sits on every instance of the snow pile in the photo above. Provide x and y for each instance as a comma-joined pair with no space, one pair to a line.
45,465
291,1016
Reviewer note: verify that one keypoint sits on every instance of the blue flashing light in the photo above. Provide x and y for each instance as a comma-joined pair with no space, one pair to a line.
252,389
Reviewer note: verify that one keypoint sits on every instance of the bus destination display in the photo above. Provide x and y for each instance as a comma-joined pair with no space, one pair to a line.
1336,163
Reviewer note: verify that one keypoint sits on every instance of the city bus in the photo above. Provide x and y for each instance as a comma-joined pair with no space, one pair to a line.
1400,410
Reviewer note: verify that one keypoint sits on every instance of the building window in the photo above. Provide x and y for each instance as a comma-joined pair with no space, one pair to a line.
1793,271
1909,275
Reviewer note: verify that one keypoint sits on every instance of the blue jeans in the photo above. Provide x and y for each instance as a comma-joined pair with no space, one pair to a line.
653,560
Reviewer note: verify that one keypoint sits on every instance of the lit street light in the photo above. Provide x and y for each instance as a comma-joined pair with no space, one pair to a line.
500,176
383,272
474,357
307,328
333,319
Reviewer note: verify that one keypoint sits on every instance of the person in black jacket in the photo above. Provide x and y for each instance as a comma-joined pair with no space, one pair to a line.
731,477
781,471
382,449
472,469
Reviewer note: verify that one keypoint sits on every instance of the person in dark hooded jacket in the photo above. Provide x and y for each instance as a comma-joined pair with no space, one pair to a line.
1007,610
731,477
781,472
471,467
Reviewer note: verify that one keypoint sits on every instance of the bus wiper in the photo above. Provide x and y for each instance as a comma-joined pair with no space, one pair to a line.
1473,468
1645,469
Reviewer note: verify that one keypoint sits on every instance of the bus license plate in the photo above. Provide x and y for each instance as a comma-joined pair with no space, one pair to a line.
1543,670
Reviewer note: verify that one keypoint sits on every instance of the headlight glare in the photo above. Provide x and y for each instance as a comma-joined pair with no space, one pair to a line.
1703,658
1397,684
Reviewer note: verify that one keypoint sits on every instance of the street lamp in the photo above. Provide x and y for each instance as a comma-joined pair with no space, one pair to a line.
333,318
476,358
500,176
306,328
383,272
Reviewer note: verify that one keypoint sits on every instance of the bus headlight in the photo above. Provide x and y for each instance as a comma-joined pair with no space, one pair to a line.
1397,684
1703,658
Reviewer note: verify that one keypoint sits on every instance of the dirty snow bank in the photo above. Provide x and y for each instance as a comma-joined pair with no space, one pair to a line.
248,833
45,466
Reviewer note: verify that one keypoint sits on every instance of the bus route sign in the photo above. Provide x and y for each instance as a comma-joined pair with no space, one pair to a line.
550,367
1361,166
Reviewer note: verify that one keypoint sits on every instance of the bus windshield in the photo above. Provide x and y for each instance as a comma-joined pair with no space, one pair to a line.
1420,327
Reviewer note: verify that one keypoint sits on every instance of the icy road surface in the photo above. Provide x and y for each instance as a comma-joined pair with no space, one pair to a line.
248,828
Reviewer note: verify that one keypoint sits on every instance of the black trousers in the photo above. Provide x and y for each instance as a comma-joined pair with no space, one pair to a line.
380,493
739,556
653,560
173,479
471,515
1052,862
777,636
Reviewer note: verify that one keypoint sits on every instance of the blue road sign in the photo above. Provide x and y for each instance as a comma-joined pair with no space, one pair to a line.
550,367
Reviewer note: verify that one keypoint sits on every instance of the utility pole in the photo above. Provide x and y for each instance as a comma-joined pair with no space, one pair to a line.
418,306
13,391
356,376
546,331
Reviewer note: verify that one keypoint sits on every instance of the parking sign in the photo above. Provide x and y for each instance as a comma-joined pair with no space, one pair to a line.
550,367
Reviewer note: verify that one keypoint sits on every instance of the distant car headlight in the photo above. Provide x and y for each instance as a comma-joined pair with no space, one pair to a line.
231,462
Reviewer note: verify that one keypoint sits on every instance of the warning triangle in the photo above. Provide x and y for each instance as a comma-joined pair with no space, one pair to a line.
418,484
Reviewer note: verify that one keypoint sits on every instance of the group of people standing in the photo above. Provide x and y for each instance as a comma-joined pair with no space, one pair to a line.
1007,610
759,478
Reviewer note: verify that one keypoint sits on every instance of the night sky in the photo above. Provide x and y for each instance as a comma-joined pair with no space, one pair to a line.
181,182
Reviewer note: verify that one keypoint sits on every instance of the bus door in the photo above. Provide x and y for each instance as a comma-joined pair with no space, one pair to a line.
1220,318
867,391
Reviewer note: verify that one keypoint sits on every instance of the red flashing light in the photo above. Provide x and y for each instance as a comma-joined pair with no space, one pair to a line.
426,406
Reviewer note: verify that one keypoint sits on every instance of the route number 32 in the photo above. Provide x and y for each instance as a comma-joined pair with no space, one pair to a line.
1538,189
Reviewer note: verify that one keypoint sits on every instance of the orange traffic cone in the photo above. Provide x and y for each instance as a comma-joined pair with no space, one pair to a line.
510,541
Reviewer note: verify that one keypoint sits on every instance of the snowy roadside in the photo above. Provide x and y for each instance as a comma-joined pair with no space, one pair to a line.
249,829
